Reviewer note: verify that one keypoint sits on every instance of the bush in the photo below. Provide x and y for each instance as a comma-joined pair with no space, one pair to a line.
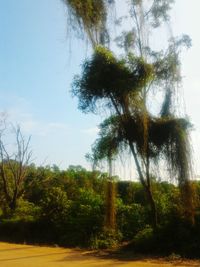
178,238
130,219
86,218
106,239
55,206
26,211
144,240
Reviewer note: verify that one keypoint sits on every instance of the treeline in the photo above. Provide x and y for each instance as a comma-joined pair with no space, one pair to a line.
69,208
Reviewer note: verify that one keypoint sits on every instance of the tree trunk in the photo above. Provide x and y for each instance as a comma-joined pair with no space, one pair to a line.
147,186
110,216
189,201
110,219
154,215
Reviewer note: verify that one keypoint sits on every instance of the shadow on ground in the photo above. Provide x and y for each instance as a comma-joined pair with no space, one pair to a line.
119,256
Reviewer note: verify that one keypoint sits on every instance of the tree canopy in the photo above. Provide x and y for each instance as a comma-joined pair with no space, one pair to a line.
125,85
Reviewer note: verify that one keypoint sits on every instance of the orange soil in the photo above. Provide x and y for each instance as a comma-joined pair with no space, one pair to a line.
12,255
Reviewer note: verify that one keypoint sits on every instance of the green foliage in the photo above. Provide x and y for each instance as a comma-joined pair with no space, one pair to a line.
130,219
106,239
87,211
89,16
124,85
160,11
168,201
144,240
55,205
105,78
90,12
110,140
26,211
68,208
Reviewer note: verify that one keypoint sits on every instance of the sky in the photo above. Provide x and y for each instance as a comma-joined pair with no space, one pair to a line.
38,59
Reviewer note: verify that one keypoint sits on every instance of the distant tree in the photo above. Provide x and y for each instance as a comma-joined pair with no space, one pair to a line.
14,163
125,87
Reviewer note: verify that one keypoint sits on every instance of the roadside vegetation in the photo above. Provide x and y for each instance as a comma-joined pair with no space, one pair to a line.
68,208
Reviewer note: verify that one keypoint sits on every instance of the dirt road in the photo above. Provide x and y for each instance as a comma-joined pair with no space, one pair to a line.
12,255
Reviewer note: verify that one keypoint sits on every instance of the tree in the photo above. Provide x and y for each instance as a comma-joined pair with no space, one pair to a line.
125,85
13,165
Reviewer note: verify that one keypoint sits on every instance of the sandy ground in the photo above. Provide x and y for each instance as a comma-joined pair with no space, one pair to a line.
35,256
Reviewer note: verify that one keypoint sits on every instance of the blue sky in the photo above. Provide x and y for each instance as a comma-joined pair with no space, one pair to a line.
36,70
38,60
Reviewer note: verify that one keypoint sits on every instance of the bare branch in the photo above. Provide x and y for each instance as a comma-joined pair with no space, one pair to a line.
13,166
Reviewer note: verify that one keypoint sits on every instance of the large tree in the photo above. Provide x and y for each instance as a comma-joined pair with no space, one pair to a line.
125,84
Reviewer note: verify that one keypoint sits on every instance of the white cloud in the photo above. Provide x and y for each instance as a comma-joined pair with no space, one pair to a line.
32,126
43,128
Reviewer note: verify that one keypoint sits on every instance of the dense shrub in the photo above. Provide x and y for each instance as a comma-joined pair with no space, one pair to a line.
86,218
68,208
177,237
144,240
55,205
26,211
105,239
130,219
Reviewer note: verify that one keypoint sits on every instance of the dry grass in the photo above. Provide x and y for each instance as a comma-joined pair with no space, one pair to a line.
35,256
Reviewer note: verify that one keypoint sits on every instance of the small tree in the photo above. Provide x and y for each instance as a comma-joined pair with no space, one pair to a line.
13,165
